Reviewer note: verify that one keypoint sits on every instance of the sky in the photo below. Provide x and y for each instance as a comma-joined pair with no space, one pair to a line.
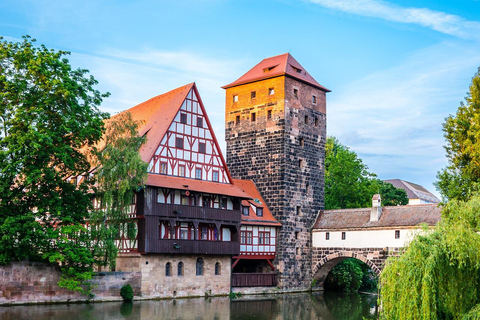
396,68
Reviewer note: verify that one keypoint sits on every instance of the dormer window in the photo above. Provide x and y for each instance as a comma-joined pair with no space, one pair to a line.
297,70
245,210
259,212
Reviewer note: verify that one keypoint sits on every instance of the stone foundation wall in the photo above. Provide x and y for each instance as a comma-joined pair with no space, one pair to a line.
35,282
156,284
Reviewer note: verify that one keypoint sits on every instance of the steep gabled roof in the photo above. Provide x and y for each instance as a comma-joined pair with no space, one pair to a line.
157,114
414,191
249,187
280,65
395,216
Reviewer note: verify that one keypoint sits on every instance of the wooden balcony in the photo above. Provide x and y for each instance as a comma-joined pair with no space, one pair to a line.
176,211
191,246
254,279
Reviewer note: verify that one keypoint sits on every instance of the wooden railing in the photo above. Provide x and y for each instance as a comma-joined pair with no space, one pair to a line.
193,212
254,279
192,246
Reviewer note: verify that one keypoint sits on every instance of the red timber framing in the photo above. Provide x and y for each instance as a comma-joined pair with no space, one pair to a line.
189,148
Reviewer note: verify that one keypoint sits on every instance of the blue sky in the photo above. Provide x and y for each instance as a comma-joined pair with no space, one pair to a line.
396,68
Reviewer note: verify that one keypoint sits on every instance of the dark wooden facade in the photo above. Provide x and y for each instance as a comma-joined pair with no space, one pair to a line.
254,279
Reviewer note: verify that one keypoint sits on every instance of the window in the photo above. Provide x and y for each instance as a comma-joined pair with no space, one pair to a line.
202,147
206,201
179,143
314,99
253,116
199,267
187,198
344,235
260,212
296,234
295,93
180,269
397,234
218,269
203,233
299,211
198,173
246,237
235,97
306,119
181,170
245,210
271,91
237,120
164,229
224,203
298,251
301,142
168,269
215,176
327,235
183,117
300,163
163,167
253,94
316,122
263,237
200,122
269,114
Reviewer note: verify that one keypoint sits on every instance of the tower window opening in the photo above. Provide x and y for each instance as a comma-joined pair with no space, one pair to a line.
301,142
316,122
300,163
237,120
314,99
269,114
235,97
344,235
253,94
253,116
295,93
327,235
271,91
299,210
306,119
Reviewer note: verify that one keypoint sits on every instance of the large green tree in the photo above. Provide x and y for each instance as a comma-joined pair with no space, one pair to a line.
349,184
438,274
462,133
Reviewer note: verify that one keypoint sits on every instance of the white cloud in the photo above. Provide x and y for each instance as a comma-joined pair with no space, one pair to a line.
440,21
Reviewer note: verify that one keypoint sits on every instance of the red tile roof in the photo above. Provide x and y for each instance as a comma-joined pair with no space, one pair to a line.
159,180
280,65
249,187
398,216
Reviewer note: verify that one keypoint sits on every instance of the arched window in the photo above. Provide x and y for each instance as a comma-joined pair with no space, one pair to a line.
180,269
218,269
199,267
168,269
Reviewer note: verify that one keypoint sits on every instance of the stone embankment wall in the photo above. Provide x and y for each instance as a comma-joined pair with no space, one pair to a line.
34,282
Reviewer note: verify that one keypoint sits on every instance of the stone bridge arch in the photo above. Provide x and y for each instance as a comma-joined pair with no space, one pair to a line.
325,264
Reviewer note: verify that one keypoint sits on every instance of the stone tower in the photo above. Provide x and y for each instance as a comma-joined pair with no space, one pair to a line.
275,131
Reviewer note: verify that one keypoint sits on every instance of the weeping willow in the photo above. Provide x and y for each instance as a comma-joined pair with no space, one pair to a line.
438,274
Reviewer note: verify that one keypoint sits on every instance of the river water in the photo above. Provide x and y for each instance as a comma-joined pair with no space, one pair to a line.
321,305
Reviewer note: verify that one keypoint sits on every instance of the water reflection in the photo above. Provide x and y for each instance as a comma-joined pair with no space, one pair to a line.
326,306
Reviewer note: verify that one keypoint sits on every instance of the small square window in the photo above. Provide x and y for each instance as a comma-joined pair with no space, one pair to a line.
397,234
235,97
179,143
344,235
183,117
327,235
295,93
269,114
253,116
271,91
259,212
198,173
202,147
200,122
314,99
215,176
306,119
253,94
237,120
245,210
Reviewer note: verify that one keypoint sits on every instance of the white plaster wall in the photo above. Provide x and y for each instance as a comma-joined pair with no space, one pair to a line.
363,238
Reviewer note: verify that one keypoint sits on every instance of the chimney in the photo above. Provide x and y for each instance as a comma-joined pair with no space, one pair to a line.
376,208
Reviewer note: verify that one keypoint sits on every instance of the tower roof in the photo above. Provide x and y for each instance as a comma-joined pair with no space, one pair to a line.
280,65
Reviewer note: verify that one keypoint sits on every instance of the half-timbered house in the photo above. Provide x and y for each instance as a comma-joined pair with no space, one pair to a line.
189,212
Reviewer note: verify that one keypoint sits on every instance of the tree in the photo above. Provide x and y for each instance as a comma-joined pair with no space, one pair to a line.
349,184
48,112
438,274
462,133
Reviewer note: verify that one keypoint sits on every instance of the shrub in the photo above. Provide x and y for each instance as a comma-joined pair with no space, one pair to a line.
127,292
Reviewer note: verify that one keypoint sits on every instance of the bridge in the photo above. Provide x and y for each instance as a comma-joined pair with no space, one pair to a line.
370,235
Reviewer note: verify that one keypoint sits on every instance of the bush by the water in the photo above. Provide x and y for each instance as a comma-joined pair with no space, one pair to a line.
127,292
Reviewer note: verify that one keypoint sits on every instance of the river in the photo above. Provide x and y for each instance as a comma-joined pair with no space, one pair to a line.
321,305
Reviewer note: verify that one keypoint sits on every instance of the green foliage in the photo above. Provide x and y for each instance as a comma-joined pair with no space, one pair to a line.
461,177
126,292
48,113
438,275
349,184
349,276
